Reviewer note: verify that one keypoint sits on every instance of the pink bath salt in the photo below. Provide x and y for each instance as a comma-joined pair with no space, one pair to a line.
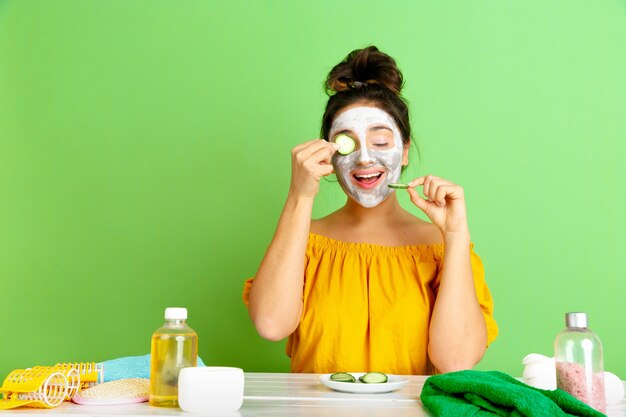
571,377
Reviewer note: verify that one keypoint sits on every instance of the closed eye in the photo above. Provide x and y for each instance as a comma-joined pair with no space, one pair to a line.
380,142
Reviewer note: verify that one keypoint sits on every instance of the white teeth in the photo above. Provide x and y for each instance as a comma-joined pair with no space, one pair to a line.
368,175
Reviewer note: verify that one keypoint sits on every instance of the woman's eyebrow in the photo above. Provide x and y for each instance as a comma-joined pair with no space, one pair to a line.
343,131
380,127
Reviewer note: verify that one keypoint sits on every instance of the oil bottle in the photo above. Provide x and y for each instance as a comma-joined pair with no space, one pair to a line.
174,346
579,363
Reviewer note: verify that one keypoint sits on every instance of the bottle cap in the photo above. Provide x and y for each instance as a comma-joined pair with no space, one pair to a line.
175,313
576,320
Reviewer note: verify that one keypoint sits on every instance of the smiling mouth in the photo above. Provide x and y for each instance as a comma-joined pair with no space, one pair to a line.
368,180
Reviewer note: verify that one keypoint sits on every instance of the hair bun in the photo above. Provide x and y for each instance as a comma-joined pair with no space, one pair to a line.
363,67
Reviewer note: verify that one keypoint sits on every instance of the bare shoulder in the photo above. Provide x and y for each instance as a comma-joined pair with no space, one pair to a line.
420,231
317,225
324,225
429,232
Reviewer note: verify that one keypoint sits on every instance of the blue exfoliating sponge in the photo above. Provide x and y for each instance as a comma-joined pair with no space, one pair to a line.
130,367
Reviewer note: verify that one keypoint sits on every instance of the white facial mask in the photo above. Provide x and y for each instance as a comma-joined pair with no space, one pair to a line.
359,121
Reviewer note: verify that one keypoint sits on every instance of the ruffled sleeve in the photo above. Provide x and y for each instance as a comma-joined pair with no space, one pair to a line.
247,285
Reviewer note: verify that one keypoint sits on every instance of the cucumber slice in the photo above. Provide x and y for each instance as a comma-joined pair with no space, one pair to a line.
399,186
346,144
374,378
342,377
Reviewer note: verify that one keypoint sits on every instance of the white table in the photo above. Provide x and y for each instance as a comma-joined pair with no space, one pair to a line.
277,395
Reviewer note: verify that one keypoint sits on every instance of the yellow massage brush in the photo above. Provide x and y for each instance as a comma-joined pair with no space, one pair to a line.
91,373
71,374
48,386
42,387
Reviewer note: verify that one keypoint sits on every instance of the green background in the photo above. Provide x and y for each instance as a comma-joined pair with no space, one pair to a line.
145,157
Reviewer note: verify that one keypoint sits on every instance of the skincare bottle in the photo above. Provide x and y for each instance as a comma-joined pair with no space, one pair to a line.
174,346
579,363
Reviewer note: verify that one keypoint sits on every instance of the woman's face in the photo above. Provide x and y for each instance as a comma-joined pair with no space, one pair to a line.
377,159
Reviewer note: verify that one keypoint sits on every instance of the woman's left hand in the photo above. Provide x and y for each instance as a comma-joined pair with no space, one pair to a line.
444,204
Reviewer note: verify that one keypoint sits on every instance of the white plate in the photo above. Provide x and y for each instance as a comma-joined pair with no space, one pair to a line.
393,383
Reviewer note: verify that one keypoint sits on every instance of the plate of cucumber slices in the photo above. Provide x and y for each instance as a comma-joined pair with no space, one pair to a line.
363,382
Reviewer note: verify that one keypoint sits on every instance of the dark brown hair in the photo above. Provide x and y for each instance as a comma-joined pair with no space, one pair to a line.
369,76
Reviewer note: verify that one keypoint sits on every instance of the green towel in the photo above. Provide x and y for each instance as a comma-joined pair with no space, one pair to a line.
476,394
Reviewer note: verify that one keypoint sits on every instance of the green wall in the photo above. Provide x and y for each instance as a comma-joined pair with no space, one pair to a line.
144,160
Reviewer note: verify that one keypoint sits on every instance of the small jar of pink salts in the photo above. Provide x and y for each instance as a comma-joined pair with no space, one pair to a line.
579,362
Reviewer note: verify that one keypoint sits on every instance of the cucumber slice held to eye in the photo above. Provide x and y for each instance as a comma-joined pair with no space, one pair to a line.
346,144
342,377
374,378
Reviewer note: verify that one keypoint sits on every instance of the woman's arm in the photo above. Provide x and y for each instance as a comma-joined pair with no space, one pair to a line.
275,302
458,332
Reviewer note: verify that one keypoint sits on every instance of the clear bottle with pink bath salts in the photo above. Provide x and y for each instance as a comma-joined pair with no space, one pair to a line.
579,363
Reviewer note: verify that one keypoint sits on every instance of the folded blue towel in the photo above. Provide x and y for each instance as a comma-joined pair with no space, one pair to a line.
130,367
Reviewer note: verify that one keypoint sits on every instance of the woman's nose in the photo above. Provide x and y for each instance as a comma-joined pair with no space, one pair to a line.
364,156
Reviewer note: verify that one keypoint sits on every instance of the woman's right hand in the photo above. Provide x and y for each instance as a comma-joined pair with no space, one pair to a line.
310,162
281,274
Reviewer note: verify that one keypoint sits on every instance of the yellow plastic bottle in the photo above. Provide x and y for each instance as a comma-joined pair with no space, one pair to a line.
174,346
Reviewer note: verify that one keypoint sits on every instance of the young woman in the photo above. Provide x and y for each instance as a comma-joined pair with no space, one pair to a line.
370,286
